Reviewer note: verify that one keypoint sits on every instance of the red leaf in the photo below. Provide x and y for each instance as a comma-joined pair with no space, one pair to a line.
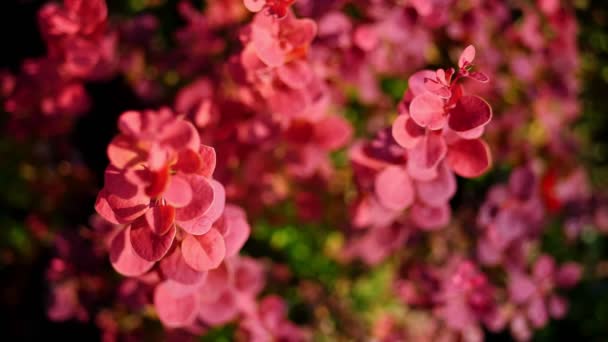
469,158
160,218
470,113
124,259
147,244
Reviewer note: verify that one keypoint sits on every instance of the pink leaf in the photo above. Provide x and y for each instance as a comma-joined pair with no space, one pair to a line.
296,74
427,110
406,132
118,210
394,189
120,201
255,5
208,160
249,276
430,218
195,220
204,252
122,154
215,283
416,81
220,311
174,267
333,132
267,47
437,88
175,311
181,135
521,287
439,190
558,307
124,259
236,228
130,123
467,56
537,312
425,156
179,193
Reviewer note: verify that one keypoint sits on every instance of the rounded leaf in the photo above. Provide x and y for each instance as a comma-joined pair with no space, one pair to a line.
469,158
121,200
469,114
204,252
333,132
147,244
249,277
424,158
203,196
174,267
394,188
216,281
160,218
416,81
406,132
430,218
208,160
255,5
175,311
201,224
179,193
188,161
427,110
236,230
122,152
124,259
439,190
220,311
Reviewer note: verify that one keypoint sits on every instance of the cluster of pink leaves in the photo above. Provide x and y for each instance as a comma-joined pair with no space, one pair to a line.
464,300
436,135
282,118
49,91
271,113
159,185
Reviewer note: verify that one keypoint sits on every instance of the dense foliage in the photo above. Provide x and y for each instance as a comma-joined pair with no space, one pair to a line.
299,170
